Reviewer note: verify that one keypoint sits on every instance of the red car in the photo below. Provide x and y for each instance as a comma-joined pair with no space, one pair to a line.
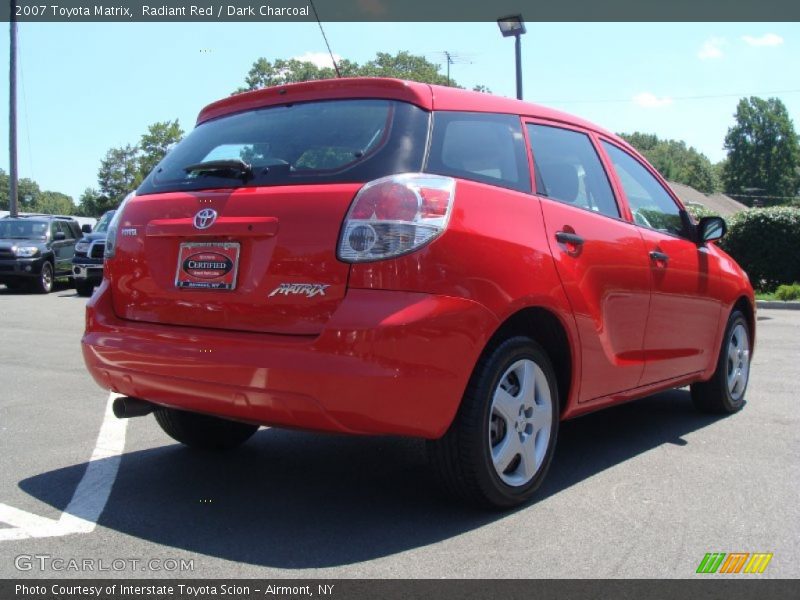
374,256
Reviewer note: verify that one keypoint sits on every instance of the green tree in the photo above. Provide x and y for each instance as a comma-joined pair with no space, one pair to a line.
28,193
32,199
402,65
119,172
405,65
643,142
675,161
123,169
55,203
763,153
264,73
92,203
155,144
5,191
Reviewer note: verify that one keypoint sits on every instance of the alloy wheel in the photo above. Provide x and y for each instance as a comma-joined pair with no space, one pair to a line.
738,363
520,421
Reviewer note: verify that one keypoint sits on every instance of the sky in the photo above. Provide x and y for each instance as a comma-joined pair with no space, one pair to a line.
87,87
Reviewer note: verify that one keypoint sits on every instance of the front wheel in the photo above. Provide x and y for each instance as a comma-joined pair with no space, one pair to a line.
724,392
500,444
84,288
44,284
203,431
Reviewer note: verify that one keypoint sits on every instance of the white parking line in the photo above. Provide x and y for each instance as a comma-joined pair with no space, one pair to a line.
90,496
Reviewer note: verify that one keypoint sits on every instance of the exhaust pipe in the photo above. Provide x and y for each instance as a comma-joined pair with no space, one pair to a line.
126,407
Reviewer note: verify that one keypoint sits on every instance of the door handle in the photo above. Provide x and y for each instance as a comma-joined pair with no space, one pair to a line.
563,237
659,257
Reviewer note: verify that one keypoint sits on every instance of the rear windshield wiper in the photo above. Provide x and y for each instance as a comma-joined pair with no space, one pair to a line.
234,167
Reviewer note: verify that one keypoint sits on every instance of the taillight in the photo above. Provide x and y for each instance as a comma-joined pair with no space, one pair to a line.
396,215
113,227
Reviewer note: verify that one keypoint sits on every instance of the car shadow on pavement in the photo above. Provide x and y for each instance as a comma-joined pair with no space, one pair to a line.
59,285
296,500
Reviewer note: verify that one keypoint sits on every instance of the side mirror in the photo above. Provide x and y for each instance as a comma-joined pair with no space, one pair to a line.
59,236
86,228
710,229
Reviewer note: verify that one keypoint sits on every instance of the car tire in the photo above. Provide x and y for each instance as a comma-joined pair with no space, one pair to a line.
44,283
203,431
724,392
84,288
498,449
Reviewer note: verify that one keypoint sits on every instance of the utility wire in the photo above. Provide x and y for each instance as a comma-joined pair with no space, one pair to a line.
704,97
325,37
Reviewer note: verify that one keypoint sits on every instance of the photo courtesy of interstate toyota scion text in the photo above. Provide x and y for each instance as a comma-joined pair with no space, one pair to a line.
382,257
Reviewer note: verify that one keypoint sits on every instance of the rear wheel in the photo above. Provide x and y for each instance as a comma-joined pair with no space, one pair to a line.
499,447
84,288
203,431
724,392
44,283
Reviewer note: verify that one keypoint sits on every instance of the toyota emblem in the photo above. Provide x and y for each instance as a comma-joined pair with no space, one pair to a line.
205,218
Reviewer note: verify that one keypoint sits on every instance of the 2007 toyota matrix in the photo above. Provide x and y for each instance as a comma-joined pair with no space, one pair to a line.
375,256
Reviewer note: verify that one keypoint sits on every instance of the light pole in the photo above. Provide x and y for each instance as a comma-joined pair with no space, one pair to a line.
514,25
12,115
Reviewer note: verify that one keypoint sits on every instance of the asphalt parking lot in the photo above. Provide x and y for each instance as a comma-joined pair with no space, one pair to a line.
641,490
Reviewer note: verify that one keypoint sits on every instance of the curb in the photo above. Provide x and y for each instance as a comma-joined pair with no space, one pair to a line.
792,305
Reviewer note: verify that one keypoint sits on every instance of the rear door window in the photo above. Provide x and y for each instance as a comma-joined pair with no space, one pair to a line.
484,147
309,142
569,169
65,228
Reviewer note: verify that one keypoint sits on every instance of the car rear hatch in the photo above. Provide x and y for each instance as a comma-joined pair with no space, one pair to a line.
237,227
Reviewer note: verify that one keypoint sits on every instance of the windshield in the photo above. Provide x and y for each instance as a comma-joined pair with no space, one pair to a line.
22,229
311,142
102,224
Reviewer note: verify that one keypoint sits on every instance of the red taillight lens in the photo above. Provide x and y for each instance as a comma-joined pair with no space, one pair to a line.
395,215
386,202
435,203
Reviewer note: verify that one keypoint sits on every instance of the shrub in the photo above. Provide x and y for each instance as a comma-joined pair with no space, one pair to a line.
788,292
698,211
765,242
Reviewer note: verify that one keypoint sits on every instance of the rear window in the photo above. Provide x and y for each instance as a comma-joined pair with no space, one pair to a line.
310,142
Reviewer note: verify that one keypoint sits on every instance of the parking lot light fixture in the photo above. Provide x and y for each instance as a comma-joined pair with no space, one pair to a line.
514,26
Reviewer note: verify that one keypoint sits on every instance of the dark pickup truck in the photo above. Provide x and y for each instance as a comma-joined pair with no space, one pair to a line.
87,264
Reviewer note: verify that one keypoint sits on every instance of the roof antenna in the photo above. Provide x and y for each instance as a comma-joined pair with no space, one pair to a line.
324,37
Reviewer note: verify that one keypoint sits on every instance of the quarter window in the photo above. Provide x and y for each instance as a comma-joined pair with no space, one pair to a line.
650,203
484,147
569,170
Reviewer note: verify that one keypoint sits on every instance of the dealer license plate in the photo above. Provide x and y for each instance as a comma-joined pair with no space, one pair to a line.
207,265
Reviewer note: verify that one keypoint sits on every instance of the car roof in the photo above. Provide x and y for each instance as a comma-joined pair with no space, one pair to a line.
427,96
41,217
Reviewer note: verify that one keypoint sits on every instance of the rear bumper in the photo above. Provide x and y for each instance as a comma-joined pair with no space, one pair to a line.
387,363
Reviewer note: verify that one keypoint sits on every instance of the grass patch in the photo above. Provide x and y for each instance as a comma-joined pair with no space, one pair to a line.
784,293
